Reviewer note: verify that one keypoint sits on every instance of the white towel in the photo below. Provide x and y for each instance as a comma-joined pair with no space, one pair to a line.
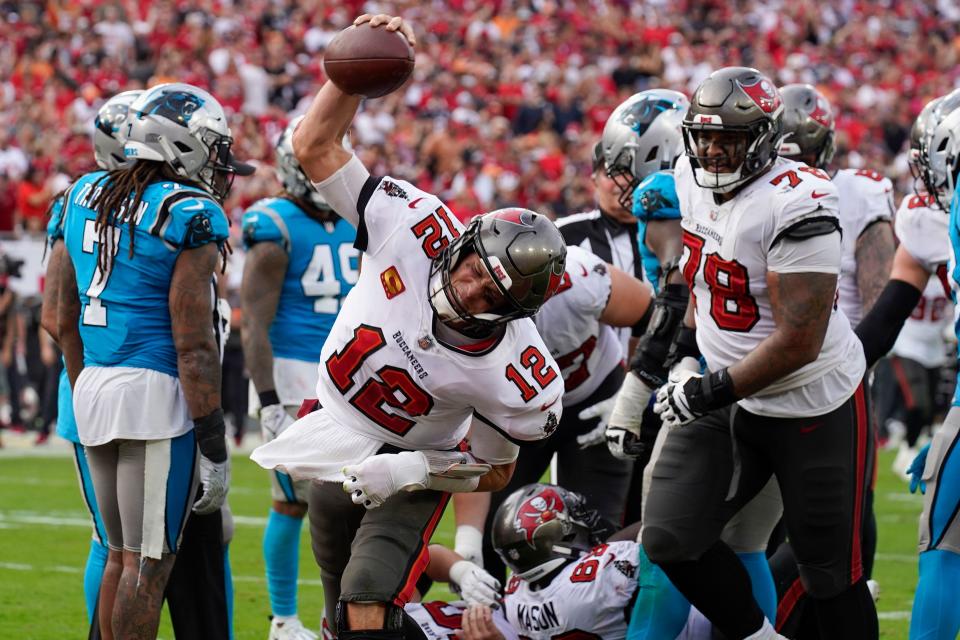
315,448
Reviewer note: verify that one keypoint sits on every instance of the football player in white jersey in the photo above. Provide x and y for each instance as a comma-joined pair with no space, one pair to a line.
434,340
783,393
866,199
570,580
577,327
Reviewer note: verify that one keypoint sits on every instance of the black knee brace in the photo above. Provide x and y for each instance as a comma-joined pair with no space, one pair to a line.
395,626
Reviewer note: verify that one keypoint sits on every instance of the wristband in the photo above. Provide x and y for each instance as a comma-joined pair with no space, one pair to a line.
711,392
211,434
268,397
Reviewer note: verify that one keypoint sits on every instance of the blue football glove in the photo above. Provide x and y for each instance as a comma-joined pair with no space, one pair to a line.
916,471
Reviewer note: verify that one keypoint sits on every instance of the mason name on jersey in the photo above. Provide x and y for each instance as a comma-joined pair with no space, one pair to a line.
729,249
590,595
386,373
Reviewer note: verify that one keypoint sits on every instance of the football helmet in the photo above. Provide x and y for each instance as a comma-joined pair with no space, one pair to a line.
525,256
808,125
918,134
186,128
743,108
541,527
291,175
108,130
642,136
941,150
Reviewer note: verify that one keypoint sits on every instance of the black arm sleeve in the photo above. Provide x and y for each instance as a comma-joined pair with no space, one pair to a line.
649,361
880,327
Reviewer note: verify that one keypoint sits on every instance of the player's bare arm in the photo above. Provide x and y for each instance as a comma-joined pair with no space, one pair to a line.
629,299
263,273
906,268
801,305
51,291
874,253
317,141
665,239
878,330
198,361
68,321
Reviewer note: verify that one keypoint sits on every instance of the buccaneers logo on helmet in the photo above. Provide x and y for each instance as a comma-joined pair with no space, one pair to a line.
536,511
763,93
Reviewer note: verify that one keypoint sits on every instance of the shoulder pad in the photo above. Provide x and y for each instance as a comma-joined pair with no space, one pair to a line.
656,198
55,226
190,219
809,228
264,223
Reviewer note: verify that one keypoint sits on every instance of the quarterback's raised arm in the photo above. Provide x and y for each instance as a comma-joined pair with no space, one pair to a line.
317,142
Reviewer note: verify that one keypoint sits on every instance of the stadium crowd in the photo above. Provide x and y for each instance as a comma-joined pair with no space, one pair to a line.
506,103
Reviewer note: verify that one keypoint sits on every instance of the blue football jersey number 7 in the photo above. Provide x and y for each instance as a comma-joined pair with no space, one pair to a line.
95,312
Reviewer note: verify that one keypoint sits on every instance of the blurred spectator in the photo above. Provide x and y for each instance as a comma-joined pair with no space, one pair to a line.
33,198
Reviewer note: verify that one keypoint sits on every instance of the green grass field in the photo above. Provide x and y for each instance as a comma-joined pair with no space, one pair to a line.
44,538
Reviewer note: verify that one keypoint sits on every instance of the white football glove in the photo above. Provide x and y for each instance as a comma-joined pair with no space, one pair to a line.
476,585
468,543
274,420
672,404
626,418
596,435
215,482
378,477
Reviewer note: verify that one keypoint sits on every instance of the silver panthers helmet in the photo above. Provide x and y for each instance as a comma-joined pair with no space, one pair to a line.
744,105
541,527
109,131
919,132
808,125
186,128
642,136
291,175
941,150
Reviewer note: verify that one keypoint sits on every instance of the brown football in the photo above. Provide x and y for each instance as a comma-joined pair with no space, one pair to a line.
367,61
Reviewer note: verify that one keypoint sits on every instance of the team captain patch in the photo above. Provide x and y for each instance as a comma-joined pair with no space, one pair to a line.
392,284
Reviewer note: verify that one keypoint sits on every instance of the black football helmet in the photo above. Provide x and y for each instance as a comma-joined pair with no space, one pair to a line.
541,527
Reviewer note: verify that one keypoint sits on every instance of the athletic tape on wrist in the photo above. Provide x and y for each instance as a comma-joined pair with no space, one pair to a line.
210,432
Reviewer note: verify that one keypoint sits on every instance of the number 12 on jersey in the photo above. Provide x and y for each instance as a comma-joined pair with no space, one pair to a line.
543,374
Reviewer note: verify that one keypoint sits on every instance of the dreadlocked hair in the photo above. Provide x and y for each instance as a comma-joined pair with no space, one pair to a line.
118,202
120,197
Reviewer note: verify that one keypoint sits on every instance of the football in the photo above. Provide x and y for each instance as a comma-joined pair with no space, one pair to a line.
367,61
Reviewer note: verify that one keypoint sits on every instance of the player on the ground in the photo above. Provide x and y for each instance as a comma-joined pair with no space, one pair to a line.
134,319
783,387
108,153
434,339
577,325
570,579
300,264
